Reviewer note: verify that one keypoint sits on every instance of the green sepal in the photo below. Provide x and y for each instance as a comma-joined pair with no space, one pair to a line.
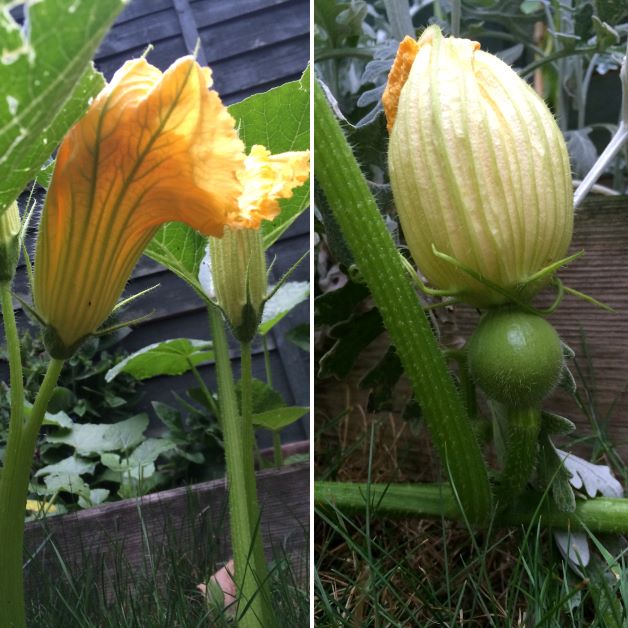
555,424
56,347
246,330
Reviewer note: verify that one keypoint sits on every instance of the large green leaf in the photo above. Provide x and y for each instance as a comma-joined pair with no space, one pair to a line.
280,120
288,296
277,419
264,396
96,438
141,463
180,249
73,465
46,78
170,357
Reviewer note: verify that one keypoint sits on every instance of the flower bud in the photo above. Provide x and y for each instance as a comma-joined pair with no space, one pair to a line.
238,267
479,169
10,226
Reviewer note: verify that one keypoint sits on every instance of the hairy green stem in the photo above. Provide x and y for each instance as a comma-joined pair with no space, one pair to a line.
16,472
248,445
599,515
524,425
252,612
11,591
356,213
560,54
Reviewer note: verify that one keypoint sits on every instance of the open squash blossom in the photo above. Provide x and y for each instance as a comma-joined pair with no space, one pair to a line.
238,261
152,148
479,168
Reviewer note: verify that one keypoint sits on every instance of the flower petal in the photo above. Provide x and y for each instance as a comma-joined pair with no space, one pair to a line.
152,148
267,178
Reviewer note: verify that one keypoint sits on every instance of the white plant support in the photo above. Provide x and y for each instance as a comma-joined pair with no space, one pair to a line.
614,146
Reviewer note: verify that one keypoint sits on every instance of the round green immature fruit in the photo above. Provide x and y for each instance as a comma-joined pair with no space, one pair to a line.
515,357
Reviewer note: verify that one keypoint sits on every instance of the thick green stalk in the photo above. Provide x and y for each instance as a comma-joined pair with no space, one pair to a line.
252,612
11,580
248,445
18,460
600,515
372,247
524,425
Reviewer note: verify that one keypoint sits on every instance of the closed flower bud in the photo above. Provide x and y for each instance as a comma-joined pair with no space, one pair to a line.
238,261
10,226
478,166
238,267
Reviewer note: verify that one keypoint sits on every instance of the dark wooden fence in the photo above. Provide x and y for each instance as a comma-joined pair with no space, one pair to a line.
251,46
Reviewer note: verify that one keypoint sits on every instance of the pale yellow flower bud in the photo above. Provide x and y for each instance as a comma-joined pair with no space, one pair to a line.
10,227
478,166
238,267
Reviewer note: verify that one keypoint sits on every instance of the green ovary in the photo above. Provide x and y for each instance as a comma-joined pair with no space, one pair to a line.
515,357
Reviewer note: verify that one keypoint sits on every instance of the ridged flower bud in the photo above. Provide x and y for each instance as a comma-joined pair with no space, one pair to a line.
238,260
478,166
10,226
238,267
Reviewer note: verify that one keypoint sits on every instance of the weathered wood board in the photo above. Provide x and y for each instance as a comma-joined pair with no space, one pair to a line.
601,230
194,516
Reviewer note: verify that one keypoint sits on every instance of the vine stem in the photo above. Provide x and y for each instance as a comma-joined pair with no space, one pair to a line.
356,213
253,611
599,515
524,425
18,460
248,445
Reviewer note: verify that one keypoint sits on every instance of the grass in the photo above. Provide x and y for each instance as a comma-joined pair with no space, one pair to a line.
376,570
160,593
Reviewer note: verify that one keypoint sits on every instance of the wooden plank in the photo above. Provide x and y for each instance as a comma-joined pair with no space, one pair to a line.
246,71
207,13
601,229
153,27
253,31
102,533
164,53
137,9
189,30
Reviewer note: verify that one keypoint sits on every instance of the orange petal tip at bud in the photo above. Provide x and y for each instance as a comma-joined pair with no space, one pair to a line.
479,172
397,78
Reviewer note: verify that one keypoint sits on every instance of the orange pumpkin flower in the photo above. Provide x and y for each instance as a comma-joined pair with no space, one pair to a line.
152,148
265,179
